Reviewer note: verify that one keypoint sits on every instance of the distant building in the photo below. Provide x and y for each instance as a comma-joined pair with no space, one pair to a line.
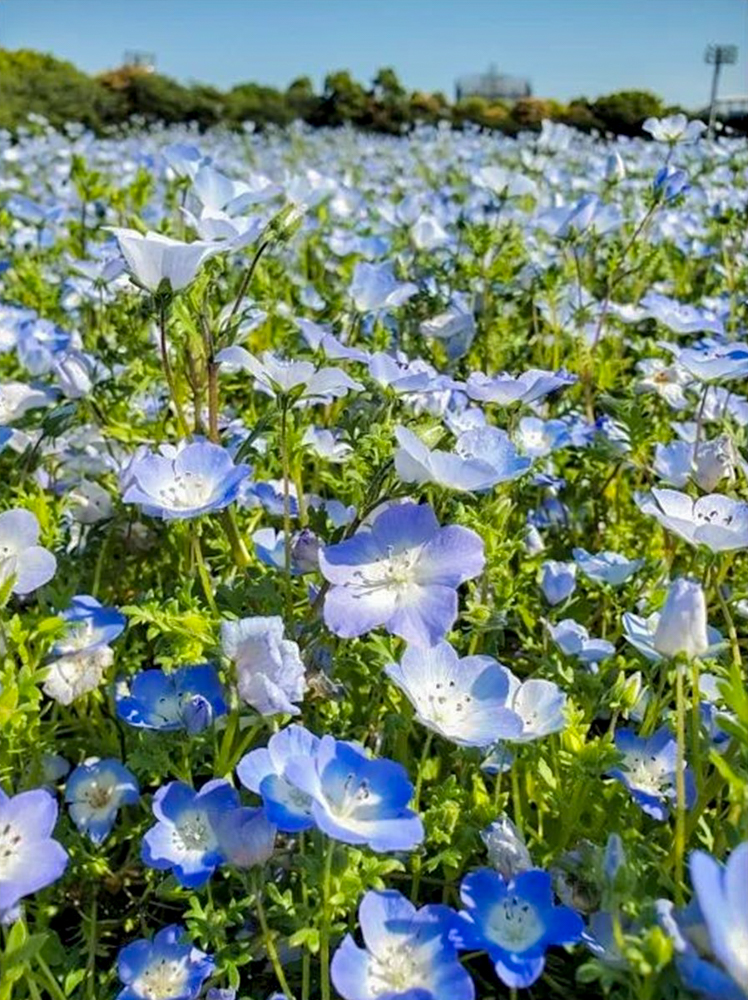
736,104
493,86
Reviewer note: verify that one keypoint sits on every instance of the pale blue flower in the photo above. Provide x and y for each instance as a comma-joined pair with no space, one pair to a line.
558,580
163,969
24,565
481,459
95,791
269,669
606,567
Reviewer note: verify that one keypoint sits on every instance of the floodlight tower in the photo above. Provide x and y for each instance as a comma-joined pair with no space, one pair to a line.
718,56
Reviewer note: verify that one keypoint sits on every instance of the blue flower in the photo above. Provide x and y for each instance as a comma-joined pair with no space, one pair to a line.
90,625
246,837
24,565
606,567
573,639
163,969
402,572
464,700
709,935
185,838
95,791
715,363
408,954
515,921
669,182
356,799
269,668
506,389
263,771
558,580
177,484
374,287
29,858
540,437
482,458
280,376
190,698
648,770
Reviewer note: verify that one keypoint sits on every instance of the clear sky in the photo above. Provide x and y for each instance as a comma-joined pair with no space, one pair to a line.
566,47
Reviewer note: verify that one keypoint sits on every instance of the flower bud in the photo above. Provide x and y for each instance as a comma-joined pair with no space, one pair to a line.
681,630
507,850
615,169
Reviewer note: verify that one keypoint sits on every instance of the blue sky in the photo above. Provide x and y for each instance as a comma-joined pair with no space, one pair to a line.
566,47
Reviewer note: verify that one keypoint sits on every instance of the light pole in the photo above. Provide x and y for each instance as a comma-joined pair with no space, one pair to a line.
717,56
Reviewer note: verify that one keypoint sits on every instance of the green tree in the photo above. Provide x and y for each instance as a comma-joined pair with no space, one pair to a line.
624,112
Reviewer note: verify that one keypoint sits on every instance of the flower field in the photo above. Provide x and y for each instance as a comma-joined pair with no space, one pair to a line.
372,565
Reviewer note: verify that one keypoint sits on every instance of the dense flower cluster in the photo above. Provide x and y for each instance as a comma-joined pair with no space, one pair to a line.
373,589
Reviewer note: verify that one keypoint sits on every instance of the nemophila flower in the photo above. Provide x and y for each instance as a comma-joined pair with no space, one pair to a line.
588,215
402,572
707,464
715,364
185,838
482,458
29,858
606,567
558,580
506,847
515,921
77,673
407,955
540,704
400,373
357,799
153,258
180,484
269,669
680,317
327,444
270,546
18,398
246,837
574,640
716,521
666,380
674,128
281,377
163,969
89,503
670,182
189,698
89,625
462,699
24,565
455,327
720,891
374,287
648,770
95,791
641,631
506,389
263,771
538,437
682,627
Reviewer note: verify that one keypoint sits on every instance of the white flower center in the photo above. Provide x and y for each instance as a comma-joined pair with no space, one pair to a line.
10,843
645,773
354,794
162,980
395,970
98,794
514,924
397,571
186,490
444,705
193,832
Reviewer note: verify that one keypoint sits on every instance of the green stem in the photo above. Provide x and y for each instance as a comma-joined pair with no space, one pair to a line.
238,548
53,986
517,797
696,724
202,572
229,733
324,931
267,939
91,962
168,371
305,956
416,865
680,783
284,406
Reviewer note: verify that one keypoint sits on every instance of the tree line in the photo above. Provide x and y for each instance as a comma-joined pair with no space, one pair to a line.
39,84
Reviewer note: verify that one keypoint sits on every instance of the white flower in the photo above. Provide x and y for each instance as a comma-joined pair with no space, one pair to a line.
90,503
270,671
154,258
682,628
72,676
